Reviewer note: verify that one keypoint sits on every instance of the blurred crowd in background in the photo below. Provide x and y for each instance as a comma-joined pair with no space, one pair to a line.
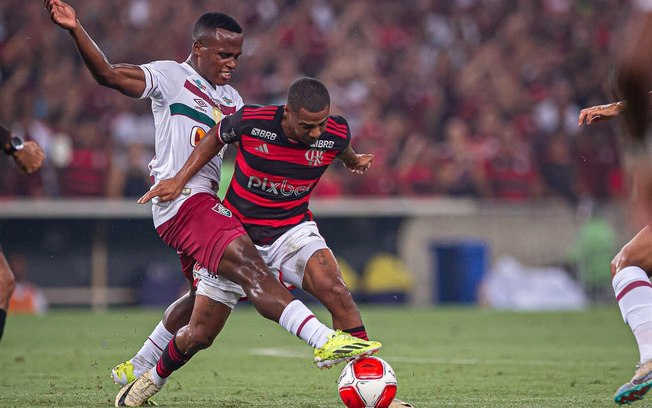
461,98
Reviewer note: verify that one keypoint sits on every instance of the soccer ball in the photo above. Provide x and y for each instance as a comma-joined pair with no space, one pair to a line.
368,382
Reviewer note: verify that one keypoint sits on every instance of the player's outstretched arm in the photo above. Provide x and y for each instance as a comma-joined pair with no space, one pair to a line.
601,112
126,78
357,163
28,155
169,189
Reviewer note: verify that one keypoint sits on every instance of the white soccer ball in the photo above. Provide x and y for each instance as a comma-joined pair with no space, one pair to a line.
368,382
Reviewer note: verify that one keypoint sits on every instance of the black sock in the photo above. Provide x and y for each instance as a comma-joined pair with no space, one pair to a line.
359,332
3,318
171,360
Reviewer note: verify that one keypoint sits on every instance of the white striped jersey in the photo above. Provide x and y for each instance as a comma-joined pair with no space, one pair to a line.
185,106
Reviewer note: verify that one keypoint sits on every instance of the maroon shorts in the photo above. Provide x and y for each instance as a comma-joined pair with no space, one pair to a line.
201,230
187,265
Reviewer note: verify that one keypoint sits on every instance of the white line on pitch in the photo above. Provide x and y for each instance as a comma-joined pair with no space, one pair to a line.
287,353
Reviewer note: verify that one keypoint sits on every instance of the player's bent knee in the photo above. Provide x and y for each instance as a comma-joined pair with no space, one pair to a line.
199,339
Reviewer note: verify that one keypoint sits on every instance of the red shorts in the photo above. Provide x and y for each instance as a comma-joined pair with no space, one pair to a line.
201,230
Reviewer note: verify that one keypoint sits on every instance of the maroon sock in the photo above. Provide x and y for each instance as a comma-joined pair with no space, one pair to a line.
359,332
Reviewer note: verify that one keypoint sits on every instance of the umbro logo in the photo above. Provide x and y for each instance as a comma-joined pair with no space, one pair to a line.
200,104
262,148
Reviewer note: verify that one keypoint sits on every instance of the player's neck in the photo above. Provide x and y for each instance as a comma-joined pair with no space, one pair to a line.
190,62
286,130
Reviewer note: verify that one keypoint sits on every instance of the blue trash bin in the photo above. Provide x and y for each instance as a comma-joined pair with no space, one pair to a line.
459,269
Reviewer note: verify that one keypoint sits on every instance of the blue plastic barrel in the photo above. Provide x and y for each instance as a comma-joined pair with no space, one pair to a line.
459,269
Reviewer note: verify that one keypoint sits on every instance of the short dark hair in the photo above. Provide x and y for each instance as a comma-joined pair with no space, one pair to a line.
212,21
308,93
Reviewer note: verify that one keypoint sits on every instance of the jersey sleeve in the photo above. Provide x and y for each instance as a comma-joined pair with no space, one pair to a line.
239,103
229,130
340,127
158,80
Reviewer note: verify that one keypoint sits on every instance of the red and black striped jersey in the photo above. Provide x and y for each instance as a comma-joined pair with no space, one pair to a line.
274,176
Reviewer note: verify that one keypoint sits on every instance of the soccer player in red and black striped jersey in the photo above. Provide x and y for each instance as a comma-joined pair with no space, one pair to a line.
282,153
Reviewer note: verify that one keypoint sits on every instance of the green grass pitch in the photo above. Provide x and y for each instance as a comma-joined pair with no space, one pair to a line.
443,357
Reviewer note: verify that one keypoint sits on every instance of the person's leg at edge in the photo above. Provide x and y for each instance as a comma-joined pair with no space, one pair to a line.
633,292
7,285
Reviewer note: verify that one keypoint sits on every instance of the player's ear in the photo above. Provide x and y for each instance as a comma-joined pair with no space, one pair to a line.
197,47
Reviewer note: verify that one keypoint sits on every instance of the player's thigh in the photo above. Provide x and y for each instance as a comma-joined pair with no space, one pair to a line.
290,254
241,263
637,252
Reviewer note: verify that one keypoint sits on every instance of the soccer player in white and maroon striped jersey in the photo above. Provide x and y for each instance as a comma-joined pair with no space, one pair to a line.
632,266
187,99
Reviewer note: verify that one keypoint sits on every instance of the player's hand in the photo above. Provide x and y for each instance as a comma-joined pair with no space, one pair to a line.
600,112
30,157
165,190
362,163
61,13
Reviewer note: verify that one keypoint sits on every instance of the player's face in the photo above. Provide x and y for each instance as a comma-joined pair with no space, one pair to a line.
305,126
217,57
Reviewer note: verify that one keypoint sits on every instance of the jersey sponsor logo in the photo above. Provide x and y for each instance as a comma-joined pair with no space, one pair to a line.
323,144
315,157
222,210
262,148
229,136
199,84
283,188
265,134
196,134
227,100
